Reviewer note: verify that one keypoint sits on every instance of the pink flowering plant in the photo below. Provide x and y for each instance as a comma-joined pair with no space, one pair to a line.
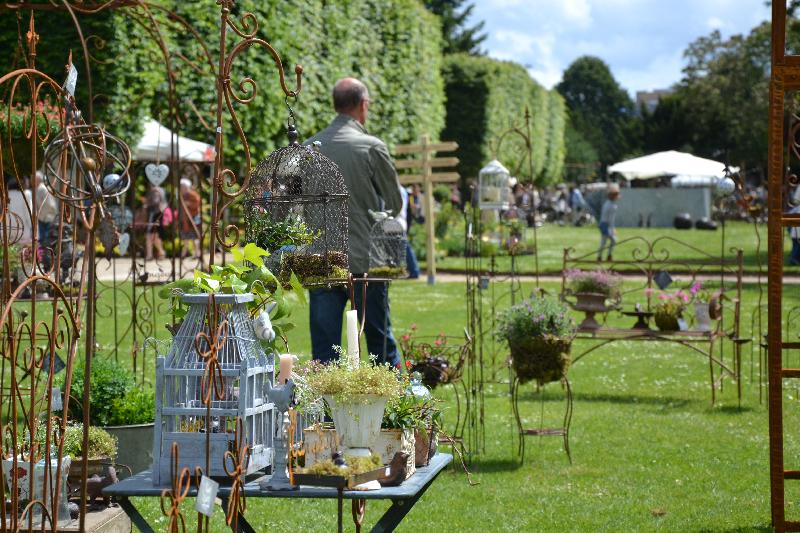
699,294
536,317
672,304
430,358
594,281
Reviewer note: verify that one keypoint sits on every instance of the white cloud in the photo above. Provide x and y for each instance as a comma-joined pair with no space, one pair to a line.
577,12
641,40
715,23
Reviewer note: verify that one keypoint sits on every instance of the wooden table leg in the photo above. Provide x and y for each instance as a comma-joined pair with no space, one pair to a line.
359,510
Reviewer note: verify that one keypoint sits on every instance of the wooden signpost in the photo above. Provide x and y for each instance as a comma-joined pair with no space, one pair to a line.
424,164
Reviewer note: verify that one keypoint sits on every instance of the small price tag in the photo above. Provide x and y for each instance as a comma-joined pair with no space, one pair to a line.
206,495
682,325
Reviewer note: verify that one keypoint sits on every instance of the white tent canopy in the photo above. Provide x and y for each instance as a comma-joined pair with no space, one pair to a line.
156,146
669,163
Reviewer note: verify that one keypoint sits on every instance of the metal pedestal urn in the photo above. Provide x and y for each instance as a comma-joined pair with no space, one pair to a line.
358,422
590,303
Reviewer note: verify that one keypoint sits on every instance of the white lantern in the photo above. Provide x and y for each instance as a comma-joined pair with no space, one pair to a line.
494,187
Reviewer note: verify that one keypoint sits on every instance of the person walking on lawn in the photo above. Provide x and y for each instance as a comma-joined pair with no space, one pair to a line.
608,214
372,184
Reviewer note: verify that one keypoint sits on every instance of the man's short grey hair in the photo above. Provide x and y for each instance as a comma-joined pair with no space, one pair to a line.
348,94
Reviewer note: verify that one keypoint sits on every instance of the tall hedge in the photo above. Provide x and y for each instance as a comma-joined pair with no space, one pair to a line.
393,45
485,97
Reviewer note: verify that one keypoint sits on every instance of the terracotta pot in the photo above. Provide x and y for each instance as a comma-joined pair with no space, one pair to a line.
425,444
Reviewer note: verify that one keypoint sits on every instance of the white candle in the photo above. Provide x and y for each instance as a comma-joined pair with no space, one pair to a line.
287,362
352,337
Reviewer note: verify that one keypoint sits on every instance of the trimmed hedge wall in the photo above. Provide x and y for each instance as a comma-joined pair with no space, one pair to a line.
485,97
393,45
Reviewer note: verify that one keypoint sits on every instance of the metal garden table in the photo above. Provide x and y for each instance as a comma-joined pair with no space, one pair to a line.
403,497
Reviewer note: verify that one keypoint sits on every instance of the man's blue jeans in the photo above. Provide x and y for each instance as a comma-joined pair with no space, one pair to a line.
326,309
411,262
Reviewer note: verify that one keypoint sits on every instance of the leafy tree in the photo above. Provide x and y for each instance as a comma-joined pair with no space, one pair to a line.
458,37
600,111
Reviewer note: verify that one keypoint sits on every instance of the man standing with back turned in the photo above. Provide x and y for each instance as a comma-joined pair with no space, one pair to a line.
371,181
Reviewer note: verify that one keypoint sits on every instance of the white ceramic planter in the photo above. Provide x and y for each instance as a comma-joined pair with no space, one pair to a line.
358,423
702,318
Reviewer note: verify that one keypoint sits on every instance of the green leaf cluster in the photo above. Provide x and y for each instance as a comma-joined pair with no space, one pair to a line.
347,385
409,411
136,407
538,316
271,234
101,442
110,382
485,98
246,274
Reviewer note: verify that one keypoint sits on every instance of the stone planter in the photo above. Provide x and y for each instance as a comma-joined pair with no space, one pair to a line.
358,423
319,443
590,303
702,317
134,447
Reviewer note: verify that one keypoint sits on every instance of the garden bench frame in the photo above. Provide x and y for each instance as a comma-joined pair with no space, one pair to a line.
648,259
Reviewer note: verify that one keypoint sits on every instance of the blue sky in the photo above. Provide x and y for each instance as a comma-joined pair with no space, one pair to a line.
642,40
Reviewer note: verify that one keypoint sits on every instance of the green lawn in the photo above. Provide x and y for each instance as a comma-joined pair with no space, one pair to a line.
649,451
585,240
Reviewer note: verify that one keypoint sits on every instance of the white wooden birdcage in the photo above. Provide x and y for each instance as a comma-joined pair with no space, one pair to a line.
244,371
494,186
387,248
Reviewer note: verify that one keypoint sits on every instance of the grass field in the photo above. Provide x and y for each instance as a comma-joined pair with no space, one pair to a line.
553,239
649,451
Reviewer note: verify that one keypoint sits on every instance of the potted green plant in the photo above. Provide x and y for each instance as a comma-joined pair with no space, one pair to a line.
539,333
102,451
592,290
131,423
669,310
356,398
416,410
286,242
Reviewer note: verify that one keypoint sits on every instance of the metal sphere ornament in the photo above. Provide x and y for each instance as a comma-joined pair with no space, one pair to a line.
75,161
725,186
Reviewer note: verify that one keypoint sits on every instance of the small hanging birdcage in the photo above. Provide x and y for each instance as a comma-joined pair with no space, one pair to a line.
236,383
296,209
494,187
387,248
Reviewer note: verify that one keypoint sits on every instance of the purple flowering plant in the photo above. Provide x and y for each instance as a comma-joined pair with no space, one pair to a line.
594,281
536,317
672,303
699,294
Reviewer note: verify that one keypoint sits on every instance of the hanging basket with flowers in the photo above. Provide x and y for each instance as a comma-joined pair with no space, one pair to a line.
539,332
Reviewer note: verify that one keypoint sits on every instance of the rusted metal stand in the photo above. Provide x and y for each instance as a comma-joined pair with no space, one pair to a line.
523,432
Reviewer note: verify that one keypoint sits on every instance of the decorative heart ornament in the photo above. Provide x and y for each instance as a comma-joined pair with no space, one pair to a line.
156,174
124,242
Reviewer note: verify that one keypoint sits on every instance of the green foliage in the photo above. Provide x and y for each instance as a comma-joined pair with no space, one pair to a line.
393,45
246,274
485,98
346,384
458,37
109,382
273,234
409,411
101,443
136,407
599,109
541,316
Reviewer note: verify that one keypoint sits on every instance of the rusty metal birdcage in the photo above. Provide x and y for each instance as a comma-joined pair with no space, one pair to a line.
215,373
387,247
296,209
